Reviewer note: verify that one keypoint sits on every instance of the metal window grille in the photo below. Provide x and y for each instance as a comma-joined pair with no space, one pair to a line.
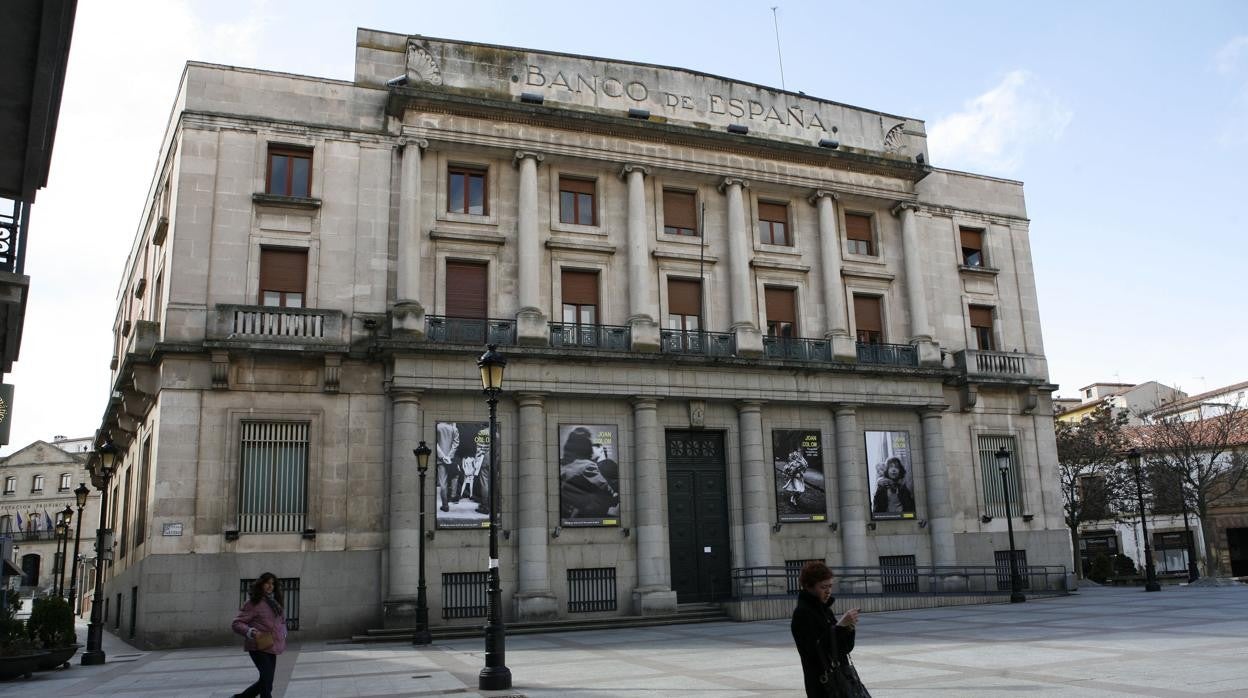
273,477
1002,558
289,586
464,594
591,589
994,498
793,570
899,573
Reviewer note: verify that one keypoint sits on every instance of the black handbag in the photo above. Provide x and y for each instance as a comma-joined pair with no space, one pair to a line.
840,679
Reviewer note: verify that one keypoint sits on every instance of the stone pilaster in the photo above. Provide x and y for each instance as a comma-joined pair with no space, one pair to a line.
936,483
850,486
740,291
641,319
837,328
653,595
534,598
531,326
403,543
409,312
756,495
916,293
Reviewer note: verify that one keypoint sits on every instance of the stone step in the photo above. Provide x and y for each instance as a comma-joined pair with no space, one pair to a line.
686,613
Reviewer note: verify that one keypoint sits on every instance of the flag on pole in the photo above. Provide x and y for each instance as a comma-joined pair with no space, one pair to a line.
47,520
20,525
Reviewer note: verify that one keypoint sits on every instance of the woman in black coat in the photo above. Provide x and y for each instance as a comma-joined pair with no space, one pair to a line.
818,633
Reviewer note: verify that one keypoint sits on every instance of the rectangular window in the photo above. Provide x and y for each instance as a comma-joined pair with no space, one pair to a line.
283,277
290,172
972,246
145,476
994,489
680,216
67,481
781,313
576,201
684,305
868,319
125,515
10,485
858,239
467,290
36,485
773,221
273,477
981,326
580,297
466,192
289,586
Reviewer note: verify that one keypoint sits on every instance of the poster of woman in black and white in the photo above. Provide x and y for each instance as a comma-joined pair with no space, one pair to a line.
463,461
589,475
798,457
890,474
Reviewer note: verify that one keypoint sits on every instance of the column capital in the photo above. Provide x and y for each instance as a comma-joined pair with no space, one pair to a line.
644,402
818,194
903,206
732,181
629,168
522,154
744,406
932,411
530,399
403,393
405,141
843,408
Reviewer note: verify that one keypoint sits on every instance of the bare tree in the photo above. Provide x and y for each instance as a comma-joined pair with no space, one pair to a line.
1086,454
1207,456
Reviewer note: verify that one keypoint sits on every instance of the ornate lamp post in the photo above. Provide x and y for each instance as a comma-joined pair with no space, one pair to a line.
67,515
80,495
422,636
1150,572
94,653
1016,583
495,676
61,531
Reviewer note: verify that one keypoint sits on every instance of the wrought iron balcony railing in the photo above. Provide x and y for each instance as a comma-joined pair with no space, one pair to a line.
698,343
887,354
610,337
476,331
797,348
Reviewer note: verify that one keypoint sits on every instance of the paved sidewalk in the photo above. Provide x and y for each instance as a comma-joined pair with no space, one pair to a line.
1101,642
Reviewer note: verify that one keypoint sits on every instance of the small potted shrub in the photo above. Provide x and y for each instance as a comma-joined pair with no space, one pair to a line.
18,656
51,627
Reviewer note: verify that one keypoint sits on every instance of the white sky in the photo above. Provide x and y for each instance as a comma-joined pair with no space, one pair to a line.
1127,121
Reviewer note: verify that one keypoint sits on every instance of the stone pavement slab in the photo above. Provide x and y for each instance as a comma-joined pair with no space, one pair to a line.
1102,642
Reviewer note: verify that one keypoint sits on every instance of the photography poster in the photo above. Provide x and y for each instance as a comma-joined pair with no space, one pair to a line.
800,487
463,474
890,473
589,475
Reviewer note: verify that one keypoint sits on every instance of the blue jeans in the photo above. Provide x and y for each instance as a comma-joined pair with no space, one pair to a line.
266,663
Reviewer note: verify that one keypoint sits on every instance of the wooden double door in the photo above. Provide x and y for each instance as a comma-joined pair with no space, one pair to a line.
697,507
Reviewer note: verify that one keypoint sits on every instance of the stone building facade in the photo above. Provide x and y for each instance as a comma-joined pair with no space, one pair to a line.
726,309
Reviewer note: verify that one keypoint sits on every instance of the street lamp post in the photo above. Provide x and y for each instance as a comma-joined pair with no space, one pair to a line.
80,497
421,636
58,570
1150,572
94,653
66,516
1016,583
495,676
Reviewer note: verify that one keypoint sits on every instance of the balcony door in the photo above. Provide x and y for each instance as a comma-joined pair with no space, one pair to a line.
868,319
781,312
283,277
580,297
467,290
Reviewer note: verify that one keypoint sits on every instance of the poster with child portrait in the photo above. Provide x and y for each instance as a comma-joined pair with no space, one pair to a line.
890,473
589,475
798,458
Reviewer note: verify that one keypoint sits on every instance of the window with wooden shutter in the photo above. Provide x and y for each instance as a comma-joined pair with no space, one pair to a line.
781,312
858,238
283,277
580,297
467,290
868,319
680,212
981,325
576,201
684,304
773,222
972,246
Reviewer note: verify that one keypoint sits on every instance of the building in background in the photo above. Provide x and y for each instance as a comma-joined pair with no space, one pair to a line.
1135,401
745,328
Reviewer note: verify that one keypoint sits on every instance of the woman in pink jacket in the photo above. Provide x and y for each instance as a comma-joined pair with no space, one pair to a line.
263,615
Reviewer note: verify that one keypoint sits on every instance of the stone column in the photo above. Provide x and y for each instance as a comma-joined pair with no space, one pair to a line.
852,492
755,494
530,320
936,482
653,595
534,599
916,292
403,544
749,339
641,319
409,313
837,330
